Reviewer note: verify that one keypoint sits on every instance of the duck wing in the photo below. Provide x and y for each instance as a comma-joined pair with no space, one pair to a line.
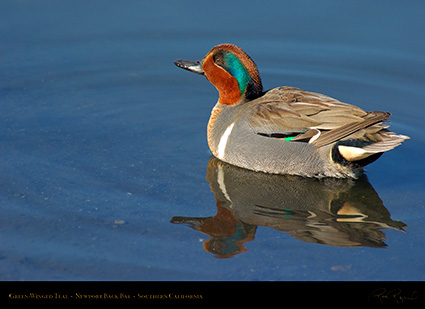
300,115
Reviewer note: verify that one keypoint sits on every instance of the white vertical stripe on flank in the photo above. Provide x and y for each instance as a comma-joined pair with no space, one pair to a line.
223,141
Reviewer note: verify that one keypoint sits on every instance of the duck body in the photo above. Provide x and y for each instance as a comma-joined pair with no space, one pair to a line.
286,130
234,138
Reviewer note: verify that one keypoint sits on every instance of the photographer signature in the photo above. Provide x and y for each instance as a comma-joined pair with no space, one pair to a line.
394,295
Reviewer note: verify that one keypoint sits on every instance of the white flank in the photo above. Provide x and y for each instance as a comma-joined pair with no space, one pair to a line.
353,153
223,141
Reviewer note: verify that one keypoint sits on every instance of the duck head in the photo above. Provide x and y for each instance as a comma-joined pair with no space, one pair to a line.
230,70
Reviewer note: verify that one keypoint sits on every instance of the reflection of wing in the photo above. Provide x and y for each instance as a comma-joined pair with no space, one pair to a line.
347,227
312,117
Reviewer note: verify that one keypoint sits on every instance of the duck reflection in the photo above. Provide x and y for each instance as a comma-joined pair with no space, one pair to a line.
334,212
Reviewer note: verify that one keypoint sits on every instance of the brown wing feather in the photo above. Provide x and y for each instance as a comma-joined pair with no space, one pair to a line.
286,109
350,128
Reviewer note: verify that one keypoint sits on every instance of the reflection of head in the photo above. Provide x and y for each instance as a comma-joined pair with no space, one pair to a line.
227,233
227,246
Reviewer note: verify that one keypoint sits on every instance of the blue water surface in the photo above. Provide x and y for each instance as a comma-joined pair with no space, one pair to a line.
103,152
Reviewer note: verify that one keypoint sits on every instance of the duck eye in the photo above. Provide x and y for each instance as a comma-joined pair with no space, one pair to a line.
218,59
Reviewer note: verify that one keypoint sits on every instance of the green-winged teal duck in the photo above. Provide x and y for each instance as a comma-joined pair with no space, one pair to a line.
286,130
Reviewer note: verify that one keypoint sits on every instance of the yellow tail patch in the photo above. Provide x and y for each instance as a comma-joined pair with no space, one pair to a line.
353,153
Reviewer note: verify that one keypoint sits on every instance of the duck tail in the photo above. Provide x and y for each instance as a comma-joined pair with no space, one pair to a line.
360,152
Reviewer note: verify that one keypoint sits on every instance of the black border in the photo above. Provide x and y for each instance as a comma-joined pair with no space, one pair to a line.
203,293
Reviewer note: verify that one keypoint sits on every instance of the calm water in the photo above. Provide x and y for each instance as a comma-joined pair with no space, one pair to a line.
105,173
